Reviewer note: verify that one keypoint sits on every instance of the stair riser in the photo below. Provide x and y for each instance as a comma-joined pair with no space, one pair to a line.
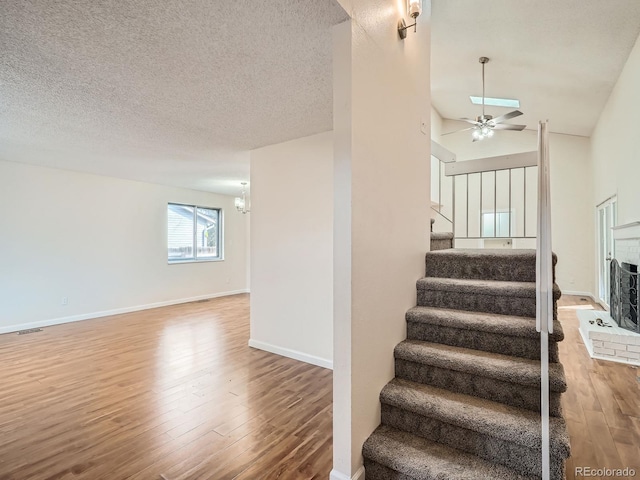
524,347
498,391
474,302
476,270
523,460
441,244
481,269
375,471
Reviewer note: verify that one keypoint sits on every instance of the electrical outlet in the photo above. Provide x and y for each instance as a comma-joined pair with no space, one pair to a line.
65,301
423,126
228,280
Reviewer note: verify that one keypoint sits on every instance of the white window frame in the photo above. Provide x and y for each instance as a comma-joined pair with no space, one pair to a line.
220,235
493,213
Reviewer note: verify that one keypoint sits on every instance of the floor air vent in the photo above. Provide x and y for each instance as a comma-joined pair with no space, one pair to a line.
29,330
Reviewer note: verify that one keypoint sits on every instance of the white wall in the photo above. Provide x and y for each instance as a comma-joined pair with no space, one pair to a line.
292,249
436,124
382,175
102,243
615,144
572,197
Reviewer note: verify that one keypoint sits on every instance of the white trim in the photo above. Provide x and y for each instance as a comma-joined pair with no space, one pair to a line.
579,294
441,153
115,311
295,354
336,475
626,231
502,162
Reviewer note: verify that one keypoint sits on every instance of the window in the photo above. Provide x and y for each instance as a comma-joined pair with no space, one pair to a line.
193,233
495,224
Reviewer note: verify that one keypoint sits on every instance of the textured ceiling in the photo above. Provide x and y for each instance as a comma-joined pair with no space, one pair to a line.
560,58
170,92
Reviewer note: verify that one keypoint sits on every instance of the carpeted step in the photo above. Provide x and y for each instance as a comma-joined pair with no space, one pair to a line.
441,241
505,379
391,454
517,265
495,432
506,298
506,334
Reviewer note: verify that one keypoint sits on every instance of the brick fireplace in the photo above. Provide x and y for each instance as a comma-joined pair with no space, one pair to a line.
608,341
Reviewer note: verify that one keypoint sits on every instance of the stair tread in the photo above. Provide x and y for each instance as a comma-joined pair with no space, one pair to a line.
480,363
490,253
489,418
508,325
442,236
422,459
482,287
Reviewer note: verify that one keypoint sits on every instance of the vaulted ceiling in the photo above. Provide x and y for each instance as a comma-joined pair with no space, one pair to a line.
559,58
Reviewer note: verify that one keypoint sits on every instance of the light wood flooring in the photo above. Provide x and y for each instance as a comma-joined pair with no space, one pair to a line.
175,393
602,403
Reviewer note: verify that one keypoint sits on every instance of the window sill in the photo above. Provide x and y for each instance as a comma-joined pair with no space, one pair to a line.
198,260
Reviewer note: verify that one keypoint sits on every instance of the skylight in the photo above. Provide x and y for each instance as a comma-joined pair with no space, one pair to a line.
496,102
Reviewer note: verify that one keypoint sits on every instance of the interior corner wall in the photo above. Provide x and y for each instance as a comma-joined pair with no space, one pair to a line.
615,144
292,249
572,199
382,172
436,125
100,242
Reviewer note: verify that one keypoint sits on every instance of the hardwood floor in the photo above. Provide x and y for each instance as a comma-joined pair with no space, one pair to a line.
170,393
175,393
602,404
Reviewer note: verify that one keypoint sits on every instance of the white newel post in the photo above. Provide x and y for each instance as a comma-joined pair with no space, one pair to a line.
544,286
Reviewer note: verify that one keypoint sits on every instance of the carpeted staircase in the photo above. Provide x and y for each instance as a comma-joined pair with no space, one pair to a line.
465,403
440,240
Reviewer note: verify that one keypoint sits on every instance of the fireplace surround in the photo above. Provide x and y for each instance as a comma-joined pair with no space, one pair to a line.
605,336
625,295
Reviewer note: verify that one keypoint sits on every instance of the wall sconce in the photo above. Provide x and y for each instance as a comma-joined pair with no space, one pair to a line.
241,203
414,8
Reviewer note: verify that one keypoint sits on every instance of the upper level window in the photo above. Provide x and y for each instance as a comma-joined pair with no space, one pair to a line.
193,233
495,224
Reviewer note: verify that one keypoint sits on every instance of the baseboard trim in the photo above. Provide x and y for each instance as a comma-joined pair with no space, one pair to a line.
295,354
336,475
115,311
579,294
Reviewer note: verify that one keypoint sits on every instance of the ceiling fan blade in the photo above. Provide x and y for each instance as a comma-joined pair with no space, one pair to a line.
469,120
508,126
456,131
507,116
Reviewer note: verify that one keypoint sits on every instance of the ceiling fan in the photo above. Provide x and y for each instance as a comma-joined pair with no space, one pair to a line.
484,125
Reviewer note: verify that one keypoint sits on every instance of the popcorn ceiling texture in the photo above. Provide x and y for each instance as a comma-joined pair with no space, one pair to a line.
162,91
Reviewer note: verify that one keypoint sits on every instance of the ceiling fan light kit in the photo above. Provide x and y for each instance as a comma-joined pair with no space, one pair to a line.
484,125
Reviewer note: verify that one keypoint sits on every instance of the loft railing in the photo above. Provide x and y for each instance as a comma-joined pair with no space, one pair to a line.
496,197
442,198
544,285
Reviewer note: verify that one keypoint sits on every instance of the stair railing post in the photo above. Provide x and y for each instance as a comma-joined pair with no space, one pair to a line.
544,287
